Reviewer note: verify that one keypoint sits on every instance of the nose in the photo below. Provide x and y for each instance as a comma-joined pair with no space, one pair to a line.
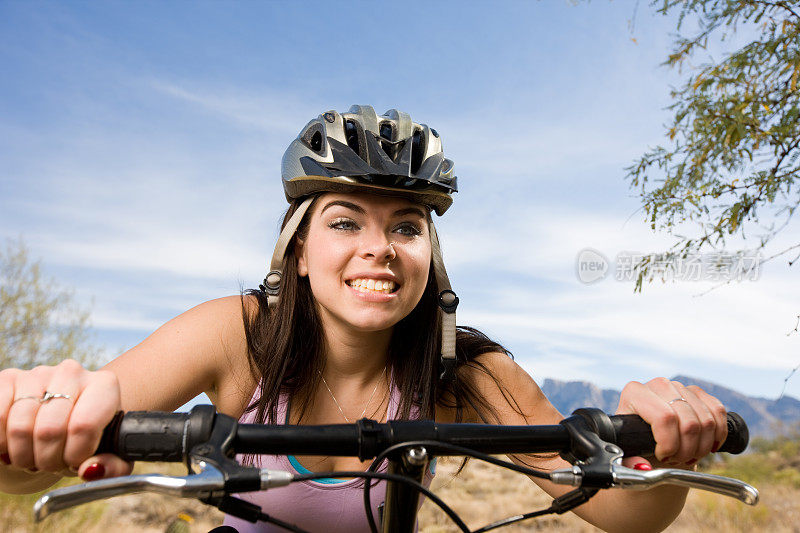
378,247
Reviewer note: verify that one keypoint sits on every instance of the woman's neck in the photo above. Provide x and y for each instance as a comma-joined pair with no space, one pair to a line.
355,357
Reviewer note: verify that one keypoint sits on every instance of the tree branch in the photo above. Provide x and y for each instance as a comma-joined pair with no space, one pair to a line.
787,8
786,379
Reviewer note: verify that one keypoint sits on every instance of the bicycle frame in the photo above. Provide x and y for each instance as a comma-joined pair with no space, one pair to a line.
401,503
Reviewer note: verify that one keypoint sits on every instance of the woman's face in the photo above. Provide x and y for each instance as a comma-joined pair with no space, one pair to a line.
366,258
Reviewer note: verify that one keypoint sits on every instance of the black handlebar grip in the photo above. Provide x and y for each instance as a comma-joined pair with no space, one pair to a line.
146,436
634,436
156,436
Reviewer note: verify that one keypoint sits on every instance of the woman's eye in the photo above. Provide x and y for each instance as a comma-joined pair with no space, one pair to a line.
343,224
408,229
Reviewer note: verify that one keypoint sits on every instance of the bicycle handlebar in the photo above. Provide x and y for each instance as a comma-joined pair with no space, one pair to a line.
168,437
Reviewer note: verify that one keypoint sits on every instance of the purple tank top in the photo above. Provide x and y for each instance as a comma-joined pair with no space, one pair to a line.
311,505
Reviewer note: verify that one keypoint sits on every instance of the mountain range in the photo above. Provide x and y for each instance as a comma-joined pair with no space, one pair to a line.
764,417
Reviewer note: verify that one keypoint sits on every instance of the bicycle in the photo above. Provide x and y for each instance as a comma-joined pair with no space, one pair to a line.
207,442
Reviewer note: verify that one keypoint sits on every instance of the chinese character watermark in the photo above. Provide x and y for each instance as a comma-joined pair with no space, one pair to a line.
592,266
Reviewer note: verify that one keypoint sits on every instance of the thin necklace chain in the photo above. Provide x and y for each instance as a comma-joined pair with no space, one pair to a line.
365,405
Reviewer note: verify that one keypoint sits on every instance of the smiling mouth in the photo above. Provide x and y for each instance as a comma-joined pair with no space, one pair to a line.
373,285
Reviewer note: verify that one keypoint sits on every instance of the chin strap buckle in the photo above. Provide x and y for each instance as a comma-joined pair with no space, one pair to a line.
272,283
448,369
448,301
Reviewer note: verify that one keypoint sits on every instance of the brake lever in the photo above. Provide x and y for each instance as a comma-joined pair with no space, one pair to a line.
629,478
206,482
209,482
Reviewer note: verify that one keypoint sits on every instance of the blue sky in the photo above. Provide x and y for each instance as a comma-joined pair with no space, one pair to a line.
140,146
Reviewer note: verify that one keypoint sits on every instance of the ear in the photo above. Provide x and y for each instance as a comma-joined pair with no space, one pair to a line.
302,266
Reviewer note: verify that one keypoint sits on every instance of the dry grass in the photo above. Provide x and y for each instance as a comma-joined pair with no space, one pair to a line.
484,493
480,494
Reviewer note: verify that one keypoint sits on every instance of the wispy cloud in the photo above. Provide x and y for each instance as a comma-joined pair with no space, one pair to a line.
265,109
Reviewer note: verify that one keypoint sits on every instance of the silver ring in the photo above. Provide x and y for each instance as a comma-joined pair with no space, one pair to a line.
681,399
37,398
45,397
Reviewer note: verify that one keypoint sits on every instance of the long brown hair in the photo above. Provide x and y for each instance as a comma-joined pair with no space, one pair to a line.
285,348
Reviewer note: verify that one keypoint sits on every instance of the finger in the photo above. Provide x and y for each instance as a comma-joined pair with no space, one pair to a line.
707,423
50,428
641,400
22,416
104,465
719,413
637,463
7,379
94,409
689,427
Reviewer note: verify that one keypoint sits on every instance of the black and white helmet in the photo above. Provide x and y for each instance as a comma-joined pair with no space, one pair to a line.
358,150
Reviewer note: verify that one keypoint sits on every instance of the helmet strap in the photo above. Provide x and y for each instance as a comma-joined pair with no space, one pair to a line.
272,283
448,302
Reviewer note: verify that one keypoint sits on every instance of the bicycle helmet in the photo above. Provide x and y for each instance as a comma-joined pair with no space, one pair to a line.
359,151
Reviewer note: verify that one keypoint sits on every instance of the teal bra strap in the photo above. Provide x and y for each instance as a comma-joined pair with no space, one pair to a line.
303,470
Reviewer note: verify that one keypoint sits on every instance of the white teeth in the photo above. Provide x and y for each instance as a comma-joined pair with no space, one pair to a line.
375,285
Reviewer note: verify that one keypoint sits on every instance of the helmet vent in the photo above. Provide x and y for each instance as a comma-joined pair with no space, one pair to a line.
386,131
417,151
391,148
351,135
312,138
316,141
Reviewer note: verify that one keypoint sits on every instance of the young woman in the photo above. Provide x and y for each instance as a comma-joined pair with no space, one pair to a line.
355,319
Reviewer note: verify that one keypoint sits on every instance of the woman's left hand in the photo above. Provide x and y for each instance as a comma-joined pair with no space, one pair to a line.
687,422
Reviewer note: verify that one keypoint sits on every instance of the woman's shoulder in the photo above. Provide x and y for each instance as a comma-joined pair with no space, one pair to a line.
232,306
235,380
505,386
226,311
491,370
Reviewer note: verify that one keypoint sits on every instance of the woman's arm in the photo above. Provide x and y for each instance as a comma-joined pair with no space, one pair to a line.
202,350
682,436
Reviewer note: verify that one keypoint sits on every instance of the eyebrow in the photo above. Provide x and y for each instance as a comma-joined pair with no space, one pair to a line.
358,209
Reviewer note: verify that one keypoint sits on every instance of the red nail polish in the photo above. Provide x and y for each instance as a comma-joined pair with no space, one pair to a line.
716,446
5,458
94,471
642,466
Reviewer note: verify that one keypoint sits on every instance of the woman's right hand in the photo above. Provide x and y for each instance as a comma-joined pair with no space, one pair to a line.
61,434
